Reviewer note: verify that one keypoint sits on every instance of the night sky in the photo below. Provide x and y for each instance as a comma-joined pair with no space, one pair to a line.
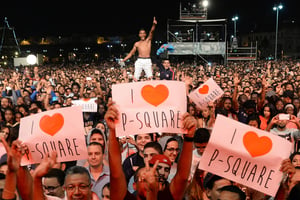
108,17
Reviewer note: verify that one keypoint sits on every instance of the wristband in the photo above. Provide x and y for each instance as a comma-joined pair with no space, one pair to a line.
188,139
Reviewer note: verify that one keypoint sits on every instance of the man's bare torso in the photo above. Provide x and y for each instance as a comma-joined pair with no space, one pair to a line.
144,48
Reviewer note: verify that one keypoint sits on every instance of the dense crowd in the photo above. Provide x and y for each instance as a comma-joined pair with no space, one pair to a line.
256,93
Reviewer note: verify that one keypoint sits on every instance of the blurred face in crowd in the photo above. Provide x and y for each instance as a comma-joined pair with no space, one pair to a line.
254,97
57,106
18,117
8,115
75,89
166,64
192,110
69,101
172,150
52,187
253,123
281,123
289,87
149,153
97,137
95,156
279,105
101,109
163,171
296,160
22,110
20,101
3,168
4,132
205,112
267,112
227,195
78,187
227,104
214,193
289,110
4,103
101,126
105,193
142,140
35,70
61,90
296,103
200,147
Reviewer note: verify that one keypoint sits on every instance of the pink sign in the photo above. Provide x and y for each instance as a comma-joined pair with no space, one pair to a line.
149,106
205,93
245,155
87,105
59,130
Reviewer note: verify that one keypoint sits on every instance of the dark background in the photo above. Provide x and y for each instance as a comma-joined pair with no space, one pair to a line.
112,18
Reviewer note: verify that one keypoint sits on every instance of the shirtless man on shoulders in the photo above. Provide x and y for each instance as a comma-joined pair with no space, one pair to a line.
143,46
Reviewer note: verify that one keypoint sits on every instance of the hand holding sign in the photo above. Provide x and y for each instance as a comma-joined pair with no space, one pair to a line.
14,154
207,92
149,106
245,155
58,130
189,123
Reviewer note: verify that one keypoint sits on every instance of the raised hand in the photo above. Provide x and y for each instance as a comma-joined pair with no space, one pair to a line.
189,123
14,154
46,164
150,176
111,116
288,168
154,21
236,80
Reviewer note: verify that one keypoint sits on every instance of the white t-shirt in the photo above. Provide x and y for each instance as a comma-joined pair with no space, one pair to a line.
195,161
290,134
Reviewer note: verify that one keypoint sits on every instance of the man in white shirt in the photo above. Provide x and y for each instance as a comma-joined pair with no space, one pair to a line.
281,130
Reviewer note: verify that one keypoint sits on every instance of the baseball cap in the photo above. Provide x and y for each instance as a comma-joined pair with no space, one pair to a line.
162,159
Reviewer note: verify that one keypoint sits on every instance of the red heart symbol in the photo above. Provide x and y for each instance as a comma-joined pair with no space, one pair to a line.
257,146
51,125
155,95
85,99
204,89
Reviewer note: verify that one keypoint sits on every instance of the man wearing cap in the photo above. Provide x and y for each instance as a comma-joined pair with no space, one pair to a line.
118,183
163,169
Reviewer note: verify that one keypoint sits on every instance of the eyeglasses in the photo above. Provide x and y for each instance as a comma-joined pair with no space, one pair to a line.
50,188
173,149
81,187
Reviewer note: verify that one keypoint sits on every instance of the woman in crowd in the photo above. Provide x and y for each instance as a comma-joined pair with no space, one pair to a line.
266,114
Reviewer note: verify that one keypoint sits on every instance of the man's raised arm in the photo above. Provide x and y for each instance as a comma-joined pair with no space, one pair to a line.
180,180
151,32
118,182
